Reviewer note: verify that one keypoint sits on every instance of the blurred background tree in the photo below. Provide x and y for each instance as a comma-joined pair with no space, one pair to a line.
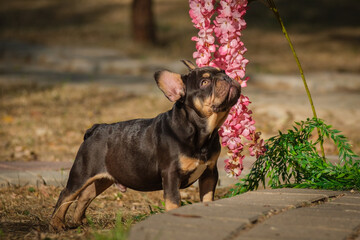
142,21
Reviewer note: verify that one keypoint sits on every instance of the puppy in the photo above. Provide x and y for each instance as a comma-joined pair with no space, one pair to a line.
169,152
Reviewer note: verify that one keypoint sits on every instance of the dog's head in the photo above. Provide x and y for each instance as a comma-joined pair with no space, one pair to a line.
207,90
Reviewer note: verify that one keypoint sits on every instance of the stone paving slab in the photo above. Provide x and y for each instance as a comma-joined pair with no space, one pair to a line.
348,200
330,211
295,225
225,212
279,199
302,191
265,214
330,220
186,226
34,173
53,178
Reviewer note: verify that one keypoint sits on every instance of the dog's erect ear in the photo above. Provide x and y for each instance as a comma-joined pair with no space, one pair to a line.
170,84
189,64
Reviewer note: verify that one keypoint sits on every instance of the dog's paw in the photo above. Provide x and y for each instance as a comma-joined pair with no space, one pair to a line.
80,222
56,225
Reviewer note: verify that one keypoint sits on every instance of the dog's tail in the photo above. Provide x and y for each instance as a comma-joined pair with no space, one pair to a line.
90,131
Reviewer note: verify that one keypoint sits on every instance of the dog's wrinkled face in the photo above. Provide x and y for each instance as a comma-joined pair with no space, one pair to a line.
211,91
207,90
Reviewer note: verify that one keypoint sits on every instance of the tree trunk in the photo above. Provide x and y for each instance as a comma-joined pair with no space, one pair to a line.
143,28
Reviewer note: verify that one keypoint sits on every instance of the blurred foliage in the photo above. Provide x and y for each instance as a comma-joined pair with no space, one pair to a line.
292,160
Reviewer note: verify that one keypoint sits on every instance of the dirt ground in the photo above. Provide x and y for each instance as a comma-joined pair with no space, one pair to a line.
47,124
25,211
45,120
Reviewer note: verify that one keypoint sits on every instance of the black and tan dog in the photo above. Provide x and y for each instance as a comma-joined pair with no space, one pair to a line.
169,152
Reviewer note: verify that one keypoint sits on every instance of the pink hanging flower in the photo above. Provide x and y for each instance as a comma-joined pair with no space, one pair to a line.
234,165
257,148
201,12
218,44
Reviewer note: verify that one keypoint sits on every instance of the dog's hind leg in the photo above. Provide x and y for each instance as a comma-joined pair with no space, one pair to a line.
86,197
66,198
82,174
69,195
88,167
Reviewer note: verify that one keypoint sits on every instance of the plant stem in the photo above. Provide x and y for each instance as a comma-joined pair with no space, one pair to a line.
272,6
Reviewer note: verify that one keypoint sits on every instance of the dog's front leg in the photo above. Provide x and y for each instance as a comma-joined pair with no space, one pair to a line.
171,186
207,184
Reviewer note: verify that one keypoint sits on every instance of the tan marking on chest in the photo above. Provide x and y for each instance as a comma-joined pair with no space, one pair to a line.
197,173
188,164
216,120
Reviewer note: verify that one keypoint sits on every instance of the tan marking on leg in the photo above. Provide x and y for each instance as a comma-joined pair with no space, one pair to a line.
86,197
169,205
188,164
57,221
208,197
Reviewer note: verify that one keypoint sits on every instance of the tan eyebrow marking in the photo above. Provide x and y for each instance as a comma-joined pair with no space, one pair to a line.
206,75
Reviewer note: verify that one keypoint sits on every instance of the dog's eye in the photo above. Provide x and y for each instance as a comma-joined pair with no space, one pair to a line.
204,82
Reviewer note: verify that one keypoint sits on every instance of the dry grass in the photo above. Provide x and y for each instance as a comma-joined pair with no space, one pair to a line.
25,211
47,123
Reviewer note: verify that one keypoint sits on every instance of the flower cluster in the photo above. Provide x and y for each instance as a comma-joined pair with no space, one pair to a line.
228,26
238,123
218,44
201,12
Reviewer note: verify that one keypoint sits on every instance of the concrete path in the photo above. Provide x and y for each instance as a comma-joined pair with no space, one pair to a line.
57,173
260,215
34,173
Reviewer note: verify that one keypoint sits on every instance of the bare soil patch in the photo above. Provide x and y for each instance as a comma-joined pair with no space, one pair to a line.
47,123
25,211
